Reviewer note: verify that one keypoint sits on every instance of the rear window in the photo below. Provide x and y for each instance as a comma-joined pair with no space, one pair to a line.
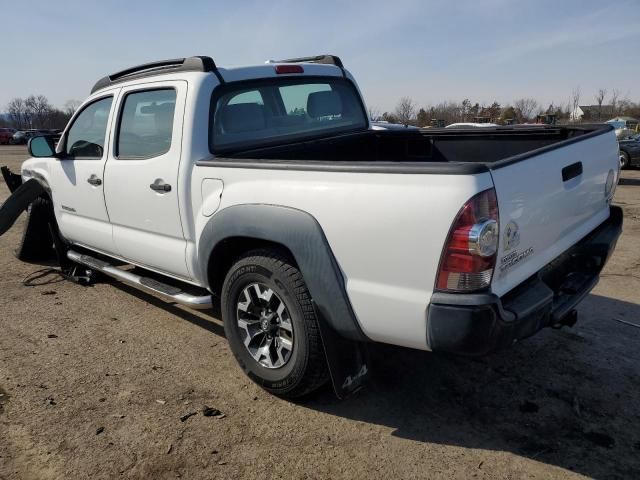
251,115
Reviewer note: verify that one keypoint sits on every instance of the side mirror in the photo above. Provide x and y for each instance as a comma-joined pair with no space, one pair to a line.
41,147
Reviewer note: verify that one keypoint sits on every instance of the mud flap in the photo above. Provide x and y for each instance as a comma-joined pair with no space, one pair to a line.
17,203
348,360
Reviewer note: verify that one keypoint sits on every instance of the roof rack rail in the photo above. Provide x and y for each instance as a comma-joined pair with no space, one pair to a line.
325,59
188,64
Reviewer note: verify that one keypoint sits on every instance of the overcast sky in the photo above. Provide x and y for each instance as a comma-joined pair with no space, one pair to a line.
428,50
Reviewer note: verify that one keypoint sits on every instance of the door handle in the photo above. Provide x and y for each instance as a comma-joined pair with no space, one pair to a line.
159,186
572,171
94,180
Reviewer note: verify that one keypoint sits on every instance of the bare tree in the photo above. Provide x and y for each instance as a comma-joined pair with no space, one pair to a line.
465,107
602,92
525,107
574,103
16,108
70,107
615,96
42,110
405,110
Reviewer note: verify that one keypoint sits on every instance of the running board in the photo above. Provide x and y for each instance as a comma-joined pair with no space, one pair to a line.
169,292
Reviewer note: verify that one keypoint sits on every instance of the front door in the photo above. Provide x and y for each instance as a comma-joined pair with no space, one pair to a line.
141,177
78,183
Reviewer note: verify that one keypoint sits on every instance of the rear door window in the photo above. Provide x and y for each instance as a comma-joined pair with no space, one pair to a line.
146,124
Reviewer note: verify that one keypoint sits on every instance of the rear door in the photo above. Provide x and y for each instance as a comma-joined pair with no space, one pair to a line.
78,183
550,201
141,178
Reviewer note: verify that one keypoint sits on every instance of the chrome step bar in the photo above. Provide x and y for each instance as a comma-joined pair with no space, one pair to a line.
168,292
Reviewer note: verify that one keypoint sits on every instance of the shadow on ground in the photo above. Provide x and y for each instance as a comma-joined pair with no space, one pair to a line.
563,398
567,398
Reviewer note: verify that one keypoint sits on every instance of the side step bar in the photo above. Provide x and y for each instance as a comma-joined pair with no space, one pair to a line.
169,292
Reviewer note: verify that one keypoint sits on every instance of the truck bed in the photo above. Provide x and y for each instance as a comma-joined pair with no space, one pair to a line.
487,147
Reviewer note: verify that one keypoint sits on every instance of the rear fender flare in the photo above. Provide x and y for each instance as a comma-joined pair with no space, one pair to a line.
303,236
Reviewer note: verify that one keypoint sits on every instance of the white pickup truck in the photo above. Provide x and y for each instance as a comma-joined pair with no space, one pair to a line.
265,190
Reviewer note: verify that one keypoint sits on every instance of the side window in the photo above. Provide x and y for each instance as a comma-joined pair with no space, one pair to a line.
146,124
87,134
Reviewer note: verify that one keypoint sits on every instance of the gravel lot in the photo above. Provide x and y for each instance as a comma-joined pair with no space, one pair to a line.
94,382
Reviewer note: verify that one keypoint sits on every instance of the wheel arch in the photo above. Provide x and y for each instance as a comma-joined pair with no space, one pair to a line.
239,228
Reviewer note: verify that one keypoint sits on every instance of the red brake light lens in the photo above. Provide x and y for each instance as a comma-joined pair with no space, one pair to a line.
289,69
469,255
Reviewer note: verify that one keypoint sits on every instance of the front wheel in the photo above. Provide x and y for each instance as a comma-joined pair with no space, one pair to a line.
271,325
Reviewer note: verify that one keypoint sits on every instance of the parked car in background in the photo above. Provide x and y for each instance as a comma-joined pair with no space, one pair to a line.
625,126
630,151
21,137
5,135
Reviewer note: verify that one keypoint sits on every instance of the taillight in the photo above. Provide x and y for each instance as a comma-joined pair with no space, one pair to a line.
469,256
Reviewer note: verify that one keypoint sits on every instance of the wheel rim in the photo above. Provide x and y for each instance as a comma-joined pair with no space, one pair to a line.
265,325
623,160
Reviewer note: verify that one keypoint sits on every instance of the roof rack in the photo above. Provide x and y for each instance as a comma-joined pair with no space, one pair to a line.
189,64
325,59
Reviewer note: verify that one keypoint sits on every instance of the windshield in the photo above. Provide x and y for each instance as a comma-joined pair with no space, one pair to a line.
279,110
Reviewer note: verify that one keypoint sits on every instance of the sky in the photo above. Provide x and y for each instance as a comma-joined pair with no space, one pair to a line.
430,51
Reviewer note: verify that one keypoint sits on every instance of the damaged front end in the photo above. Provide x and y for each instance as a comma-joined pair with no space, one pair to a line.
22,194
13,180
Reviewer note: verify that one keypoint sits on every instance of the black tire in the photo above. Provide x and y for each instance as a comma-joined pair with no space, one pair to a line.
37,243
306,369
624,160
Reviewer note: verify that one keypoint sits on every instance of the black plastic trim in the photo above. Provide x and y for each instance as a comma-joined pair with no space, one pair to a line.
13,180
299,232
599,129
571,171
189,64
441,168
324,59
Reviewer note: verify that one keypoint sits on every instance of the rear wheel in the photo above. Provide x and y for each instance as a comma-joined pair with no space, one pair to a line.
271,325
624,160
37,243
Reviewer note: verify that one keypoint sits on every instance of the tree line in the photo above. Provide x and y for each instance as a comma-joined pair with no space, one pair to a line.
36,112
521,110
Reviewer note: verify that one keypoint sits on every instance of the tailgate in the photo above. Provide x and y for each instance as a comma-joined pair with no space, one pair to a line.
550,201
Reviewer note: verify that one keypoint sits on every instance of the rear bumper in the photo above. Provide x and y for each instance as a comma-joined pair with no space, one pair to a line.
477,324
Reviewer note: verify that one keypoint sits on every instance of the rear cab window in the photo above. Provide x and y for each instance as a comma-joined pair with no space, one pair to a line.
253,114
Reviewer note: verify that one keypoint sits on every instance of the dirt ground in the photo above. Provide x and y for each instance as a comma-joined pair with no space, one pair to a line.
94,382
